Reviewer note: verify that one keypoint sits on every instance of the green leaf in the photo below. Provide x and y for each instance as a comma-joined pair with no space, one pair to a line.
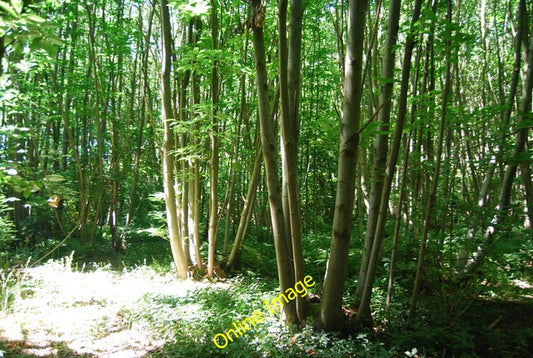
54,40
50,49
33,18
429,14
17,5
6,7
195,7
26,193
36,44
54,178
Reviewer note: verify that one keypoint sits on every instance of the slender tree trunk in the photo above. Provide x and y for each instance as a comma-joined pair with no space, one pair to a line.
380,145
117,81
429,217
247,210
528,188
213,185
100,114
285,122
194,184
330,314
168,146
243,116
2,53
383,175
511,167
268,144
144,104
397,224
64,110
290,67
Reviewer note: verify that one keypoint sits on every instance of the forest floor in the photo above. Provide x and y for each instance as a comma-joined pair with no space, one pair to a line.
61,311
68,313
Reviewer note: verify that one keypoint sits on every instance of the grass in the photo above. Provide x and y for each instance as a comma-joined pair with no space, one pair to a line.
84,310
64,309
94,311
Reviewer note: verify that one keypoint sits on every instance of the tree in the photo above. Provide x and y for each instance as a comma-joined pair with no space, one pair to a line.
290,66
213,199
330,314
516,158
269,149
430,204
168,145
381,176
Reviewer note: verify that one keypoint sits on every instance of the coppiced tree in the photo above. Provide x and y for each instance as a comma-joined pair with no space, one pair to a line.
214,162
289,78
330,315
122,100
169,144
382,175
516,157
269,148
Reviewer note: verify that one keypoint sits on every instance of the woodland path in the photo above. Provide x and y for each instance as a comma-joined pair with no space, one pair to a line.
66,313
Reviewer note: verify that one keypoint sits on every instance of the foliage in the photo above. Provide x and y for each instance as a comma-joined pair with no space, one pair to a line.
13,286
187,321
7,230
191,323
20,28
80,120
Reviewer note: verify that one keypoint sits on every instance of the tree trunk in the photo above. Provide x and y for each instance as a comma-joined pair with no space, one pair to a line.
290,67
144,93
380,145
268,144
330,313
247,210
168,146
213,184
384,178
429,209
514,161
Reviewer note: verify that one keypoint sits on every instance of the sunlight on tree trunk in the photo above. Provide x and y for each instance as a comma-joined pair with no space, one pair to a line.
330,315
168,147
268,144
213,190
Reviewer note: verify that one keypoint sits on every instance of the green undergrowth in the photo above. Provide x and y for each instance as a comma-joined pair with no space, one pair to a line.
180,319
194,320
485,327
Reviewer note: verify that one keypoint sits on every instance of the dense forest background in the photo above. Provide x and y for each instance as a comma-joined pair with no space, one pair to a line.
382,147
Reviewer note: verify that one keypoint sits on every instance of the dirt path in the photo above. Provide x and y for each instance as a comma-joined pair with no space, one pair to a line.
66,313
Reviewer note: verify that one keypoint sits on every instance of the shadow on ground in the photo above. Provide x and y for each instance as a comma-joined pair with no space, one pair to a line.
20,349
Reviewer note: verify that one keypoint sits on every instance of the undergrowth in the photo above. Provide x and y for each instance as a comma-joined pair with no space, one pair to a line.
192,322
184,324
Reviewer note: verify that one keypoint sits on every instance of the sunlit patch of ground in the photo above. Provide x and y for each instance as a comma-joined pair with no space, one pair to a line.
526,287
83,311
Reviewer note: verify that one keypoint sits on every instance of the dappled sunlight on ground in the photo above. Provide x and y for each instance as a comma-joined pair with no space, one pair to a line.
84,311
527,287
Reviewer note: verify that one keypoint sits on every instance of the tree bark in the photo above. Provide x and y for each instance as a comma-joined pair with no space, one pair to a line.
430,205
382,173
268,145
380,145
517,157
247,210
330,313
213,184
290,66
168,146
